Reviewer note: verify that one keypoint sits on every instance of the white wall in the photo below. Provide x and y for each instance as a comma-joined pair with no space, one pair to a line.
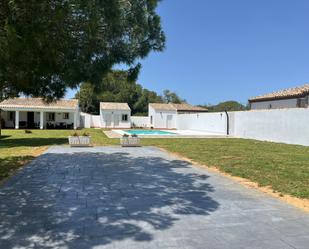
159,118
95,121
114,114
140,121
275,104
58,116
281,125
208,122
90,121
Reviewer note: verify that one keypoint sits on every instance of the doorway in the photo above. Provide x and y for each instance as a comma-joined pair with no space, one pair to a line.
30,120
169,121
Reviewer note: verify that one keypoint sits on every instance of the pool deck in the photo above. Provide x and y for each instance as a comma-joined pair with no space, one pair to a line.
180,134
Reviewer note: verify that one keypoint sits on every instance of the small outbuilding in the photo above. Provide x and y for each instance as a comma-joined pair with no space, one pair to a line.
164,116
115,115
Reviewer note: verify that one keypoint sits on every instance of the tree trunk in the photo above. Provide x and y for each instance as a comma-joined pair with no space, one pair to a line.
0,122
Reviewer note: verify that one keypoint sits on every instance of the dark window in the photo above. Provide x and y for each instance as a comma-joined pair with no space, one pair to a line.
270,106
51,116
66,115
124,117
150,119
303,102
11,116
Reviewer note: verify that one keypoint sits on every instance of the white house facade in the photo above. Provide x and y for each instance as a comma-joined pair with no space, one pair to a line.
297,97
34,113
164,116
115,115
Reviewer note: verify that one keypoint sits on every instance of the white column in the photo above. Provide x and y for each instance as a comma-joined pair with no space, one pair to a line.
75,121
41,120
16,119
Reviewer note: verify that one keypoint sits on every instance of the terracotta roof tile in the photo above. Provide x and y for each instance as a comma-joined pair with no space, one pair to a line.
39,103
285,93
188,107
114,106
177,107
162,106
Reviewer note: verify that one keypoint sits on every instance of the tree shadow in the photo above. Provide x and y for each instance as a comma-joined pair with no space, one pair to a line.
4,136
31,141
9,165
92,199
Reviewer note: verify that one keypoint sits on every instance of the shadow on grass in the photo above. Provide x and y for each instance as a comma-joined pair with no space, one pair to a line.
4,136
88,200
9,165
31,141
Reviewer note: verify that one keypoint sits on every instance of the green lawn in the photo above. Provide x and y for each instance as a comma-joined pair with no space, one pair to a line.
18,147
283,167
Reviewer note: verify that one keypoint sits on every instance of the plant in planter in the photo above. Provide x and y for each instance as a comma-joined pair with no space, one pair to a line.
127,141
79,140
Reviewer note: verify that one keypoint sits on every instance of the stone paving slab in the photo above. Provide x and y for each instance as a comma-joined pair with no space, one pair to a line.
112,197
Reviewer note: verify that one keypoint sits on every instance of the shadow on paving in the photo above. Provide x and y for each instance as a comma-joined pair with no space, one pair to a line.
97,198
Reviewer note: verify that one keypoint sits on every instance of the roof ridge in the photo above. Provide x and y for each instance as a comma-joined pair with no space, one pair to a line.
290,92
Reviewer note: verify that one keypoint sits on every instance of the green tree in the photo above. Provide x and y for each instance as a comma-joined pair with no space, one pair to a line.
171,97
47,46
226,106
86,97
116,86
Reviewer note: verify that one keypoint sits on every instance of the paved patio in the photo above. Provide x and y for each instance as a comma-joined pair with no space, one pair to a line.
111,197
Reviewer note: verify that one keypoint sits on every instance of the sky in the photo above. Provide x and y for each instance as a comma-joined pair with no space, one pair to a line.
219,50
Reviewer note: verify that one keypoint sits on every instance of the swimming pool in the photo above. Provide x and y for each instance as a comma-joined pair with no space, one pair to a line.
148,132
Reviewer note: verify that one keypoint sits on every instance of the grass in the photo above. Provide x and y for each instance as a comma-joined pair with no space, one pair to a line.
283,167
18,147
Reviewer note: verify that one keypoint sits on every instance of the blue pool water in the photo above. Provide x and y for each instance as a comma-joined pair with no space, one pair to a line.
148,132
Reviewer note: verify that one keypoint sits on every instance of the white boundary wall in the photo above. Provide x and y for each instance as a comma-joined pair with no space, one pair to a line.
140,121
90,121
281,125
210,122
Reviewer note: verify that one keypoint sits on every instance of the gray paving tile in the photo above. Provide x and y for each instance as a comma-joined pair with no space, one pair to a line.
112,197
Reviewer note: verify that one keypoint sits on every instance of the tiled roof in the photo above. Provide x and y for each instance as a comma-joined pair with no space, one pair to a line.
177,107
300,91
114,106
188,107
160,106
39,103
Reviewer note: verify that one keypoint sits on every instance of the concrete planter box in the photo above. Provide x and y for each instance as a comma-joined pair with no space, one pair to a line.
130,141
79,140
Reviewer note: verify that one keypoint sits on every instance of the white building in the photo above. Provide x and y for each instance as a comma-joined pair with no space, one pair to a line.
115,115
32,113
164,116
288,98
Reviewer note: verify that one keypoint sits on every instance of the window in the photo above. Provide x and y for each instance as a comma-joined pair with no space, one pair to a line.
270,106
11,116
302,102
124,117
66,115
150,119
50,116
